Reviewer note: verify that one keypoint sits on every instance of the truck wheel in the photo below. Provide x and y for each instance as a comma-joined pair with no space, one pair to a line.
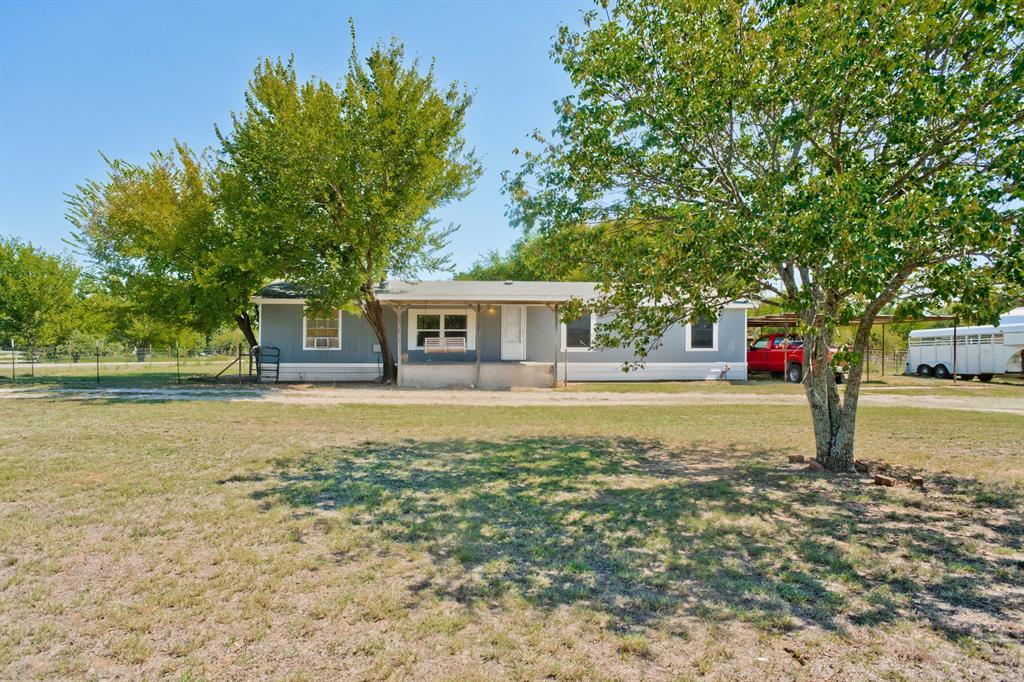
985,377
794,374
924,371
940,372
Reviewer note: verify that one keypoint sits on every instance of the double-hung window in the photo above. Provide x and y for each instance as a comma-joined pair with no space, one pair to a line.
702,334
578,334
446,324
322,332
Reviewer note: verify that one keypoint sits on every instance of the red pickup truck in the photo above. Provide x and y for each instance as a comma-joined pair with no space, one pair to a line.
781,354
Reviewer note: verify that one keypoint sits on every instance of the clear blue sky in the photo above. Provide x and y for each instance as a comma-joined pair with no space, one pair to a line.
77,78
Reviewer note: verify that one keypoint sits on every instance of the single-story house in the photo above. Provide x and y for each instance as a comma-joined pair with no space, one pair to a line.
487,334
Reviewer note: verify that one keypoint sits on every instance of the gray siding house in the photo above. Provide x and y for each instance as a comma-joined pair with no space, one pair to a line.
487,334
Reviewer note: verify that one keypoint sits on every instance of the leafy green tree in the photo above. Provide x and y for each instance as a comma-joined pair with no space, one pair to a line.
157,238
38,295
840,157
340,182
530,259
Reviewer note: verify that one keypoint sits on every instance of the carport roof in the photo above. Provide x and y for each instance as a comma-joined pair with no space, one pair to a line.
792,320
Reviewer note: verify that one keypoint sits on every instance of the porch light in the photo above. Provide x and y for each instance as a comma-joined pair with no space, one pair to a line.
490,310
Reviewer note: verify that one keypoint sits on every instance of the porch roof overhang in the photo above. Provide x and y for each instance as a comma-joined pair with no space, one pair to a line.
470,291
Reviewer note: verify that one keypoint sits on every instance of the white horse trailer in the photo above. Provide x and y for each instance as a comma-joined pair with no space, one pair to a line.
981,352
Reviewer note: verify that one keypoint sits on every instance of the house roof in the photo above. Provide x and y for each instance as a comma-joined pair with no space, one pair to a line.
281,289
462,291
490,292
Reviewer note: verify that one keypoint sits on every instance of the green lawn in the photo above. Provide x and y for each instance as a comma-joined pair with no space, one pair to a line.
1008,386
233,540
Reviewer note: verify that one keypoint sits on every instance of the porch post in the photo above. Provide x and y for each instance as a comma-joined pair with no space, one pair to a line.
554,377
477,308
883,350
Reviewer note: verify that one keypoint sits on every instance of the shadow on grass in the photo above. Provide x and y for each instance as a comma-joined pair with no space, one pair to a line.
644,533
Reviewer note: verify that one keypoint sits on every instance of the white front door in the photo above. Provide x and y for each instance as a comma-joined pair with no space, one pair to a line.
513,332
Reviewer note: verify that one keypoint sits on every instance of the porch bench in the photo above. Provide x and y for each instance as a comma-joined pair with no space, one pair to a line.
449,344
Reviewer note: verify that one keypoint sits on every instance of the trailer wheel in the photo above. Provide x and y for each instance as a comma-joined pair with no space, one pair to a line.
940,372
924,371
794,374
966,377
985,377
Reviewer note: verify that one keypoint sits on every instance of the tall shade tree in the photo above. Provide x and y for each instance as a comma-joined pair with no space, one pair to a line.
839,157
530,259
344,179
157,239
38,295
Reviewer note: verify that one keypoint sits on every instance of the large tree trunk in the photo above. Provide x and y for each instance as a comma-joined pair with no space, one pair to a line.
374,314
835,418
245,326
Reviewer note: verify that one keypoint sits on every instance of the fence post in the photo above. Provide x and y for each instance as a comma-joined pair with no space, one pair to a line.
239,363
32,360
177,358
97,361
883,350
14,363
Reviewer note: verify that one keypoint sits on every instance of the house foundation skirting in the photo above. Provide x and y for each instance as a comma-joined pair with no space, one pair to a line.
654,371
509,374
330,371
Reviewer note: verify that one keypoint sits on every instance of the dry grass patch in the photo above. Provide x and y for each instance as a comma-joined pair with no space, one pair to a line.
221,541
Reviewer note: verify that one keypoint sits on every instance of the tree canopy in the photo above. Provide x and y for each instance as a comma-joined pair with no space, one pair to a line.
330,187
530,259
158,240
38,295
836,157
340,183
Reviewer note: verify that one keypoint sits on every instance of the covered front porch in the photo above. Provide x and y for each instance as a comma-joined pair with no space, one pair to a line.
486,334
491,345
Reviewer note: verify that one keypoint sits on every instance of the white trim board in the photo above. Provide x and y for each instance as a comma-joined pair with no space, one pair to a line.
654,371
